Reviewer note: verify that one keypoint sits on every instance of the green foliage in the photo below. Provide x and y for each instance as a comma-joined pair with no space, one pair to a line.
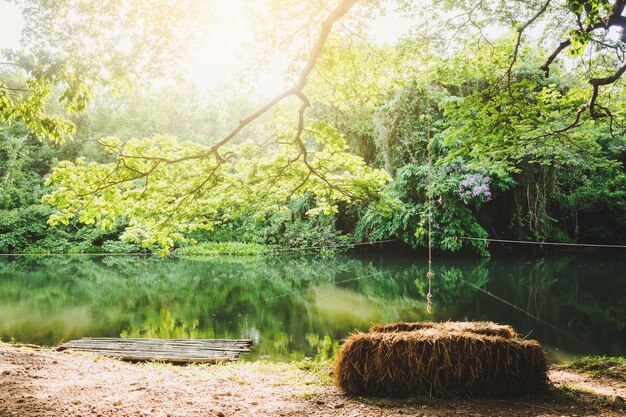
294,228
23,161
177,109
117,246
352,81
21,228
223,248
587,12
451,219
67,50
601,203
23,219
290,228
161,199
27,89
601,366
510,127
592,10
404,122
524,132
554,172
107,41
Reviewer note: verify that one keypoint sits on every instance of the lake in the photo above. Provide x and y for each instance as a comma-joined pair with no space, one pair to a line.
302,306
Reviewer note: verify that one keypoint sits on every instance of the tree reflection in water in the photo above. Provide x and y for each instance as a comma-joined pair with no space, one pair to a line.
296,307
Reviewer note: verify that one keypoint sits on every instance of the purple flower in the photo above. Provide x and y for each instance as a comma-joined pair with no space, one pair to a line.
475,187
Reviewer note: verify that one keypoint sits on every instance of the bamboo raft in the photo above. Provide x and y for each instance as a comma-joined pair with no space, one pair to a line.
165,350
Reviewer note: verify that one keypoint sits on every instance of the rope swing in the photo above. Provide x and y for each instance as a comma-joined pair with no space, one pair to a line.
429,274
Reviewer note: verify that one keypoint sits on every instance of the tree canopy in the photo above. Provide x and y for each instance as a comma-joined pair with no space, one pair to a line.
523,100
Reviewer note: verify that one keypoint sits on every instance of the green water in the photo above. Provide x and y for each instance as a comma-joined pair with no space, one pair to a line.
294,307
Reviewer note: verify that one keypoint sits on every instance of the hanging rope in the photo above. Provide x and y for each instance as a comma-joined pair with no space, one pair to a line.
429,274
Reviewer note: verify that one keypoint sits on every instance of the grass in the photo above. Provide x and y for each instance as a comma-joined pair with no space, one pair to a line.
304,373
321,370
566,394
600,367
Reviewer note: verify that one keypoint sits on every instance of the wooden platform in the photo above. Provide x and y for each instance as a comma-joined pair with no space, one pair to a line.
166,350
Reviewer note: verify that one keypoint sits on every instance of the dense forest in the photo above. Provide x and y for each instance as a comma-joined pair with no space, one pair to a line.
107,146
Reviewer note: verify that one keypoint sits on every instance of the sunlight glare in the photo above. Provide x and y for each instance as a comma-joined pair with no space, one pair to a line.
11,24
227,54
229,50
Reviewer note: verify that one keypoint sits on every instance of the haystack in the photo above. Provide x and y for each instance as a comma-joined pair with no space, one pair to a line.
440,359
486,328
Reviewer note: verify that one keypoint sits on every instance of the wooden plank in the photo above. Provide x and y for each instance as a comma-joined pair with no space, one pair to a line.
169,350
249,341
162,352
162,343
131,354
155,346
155,349
185,342
203,341
190,342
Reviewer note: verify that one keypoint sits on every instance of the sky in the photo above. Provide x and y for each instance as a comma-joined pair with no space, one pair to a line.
225,40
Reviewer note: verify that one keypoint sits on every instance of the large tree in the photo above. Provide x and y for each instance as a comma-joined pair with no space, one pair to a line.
161,185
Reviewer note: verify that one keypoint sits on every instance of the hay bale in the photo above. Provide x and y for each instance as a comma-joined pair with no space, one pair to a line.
486,328
439,361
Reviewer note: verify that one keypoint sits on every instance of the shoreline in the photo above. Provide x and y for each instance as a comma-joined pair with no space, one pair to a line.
37,381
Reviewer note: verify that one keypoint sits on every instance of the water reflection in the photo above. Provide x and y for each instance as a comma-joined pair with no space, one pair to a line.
296,307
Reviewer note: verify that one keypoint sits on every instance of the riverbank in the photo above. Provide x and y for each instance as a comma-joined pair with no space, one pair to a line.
44,382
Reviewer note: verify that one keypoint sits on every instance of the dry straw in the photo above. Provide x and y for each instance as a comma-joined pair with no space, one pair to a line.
486,328
440,359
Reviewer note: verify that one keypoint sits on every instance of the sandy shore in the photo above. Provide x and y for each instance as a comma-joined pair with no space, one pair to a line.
44,382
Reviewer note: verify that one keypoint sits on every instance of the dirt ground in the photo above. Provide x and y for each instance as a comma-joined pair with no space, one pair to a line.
44,382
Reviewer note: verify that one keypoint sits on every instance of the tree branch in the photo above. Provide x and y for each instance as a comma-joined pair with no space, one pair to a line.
296,90
520,32
546,65
596,83
326,27
613,18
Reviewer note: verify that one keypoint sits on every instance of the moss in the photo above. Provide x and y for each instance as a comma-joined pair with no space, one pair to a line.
566,394
600,366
